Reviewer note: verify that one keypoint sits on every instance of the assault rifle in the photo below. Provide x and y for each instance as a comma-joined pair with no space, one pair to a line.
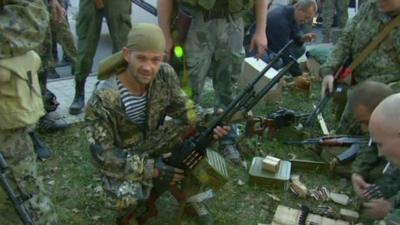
281,118
187,155
354,144
16,201
339,89
146,6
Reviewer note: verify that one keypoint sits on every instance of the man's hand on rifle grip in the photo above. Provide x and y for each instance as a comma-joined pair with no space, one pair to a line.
327,85
220,132
165,173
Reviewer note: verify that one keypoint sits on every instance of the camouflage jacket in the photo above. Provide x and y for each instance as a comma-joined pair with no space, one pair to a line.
370,166
22,26
383,64
127,150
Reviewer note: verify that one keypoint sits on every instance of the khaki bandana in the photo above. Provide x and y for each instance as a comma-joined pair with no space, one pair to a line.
141,38
146,37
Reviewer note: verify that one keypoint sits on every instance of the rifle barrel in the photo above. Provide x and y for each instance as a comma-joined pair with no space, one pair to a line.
146,6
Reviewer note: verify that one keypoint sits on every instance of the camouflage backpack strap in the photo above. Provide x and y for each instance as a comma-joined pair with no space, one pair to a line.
383,34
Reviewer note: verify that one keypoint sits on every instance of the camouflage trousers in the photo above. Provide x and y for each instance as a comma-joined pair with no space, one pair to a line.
88,28
17,149
214,48
61,33
329,8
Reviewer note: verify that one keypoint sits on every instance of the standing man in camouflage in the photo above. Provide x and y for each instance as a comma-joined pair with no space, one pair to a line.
384,128
23,25
61,33
382,64
126,121
214,46
330,10
88,28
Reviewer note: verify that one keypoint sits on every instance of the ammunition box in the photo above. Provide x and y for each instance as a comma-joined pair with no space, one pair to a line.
260,177
211,170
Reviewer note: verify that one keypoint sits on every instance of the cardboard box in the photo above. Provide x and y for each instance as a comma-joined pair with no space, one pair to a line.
270,164
251,69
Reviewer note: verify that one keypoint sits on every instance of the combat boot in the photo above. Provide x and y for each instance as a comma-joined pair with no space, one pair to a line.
49,124
53,74
79,100
42,150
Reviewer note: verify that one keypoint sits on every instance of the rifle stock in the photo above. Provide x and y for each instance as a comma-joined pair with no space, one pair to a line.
17,203
244,102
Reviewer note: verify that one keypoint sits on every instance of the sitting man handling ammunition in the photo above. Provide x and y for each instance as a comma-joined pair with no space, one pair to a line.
384,128
368,166
129,136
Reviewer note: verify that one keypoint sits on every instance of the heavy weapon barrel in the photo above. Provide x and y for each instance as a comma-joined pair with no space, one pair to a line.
243,103
21,210
324,101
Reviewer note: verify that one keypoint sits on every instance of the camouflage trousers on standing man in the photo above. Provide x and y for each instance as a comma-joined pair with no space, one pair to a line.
329,9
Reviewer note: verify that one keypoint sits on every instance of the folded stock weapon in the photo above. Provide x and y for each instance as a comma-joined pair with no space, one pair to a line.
17,201
282,118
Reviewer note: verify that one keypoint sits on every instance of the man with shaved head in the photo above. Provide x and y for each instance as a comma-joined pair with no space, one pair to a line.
368,166
384,128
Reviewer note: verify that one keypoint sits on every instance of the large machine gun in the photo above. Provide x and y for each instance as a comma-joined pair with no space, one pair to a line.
187,155
17,201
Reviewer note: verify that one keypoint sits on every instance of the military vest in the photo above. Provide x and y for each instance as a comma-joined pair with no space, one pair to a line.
20,97
234,6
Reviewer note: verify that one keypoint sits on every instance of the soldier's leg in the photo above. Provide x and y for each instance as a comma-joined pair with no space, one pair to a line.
88,29
328,11
226,68
228,58
17,149
199,47
342,12
63,35
119,22
126,198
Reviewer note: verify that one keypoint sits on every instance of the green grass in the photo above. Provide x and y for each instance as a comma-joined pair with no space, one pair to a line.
72,180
